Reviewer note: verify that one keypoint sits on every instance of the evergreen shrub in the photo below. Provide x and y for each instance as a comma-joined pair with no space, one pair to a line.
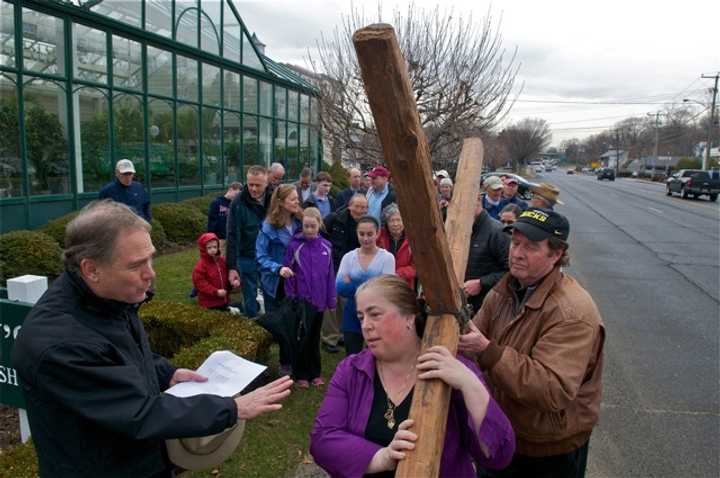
29,252
56,227
182,224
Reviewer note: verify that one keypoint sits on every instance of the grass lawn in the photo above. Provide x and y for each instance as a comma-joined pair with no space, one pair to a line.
274,444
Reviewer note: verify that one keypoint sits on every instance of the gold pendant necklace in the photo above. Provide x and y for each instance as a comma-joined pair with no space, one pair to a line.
390,414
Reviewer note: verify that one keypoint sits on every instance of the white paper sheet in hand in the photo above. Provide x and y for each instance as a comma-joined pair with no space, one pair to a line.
227,376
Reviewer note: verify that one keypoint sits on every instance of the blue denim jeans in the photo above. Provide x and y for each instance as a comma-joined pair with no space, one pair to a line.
249,278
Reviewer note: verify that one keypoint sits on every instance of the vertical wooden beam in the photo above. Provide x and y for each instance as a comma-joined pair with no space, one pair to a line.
407,154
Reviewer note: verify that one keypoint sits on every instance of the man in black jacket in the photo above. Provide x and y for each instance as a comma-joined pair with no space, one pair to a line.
356,187
341,231
93,386
488,256
247,212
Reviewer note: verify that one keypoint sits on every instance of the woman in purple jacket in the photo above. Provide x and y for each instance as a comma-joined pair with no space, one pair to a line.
309,256
362,427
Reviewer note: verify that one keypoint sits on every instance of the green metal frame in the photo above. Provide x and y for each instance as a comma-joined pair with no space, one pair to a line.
273,73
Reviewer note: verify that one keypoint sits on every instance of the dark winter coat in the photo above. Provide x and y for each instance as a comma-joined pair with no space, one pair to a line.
341,231
217,216
133,196
94,389
488,256
343,197
210,275
244,221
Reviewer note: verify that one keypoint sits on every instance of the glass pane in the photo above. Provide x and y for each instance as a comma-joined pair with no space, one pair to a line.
210,26
187,137
304,145
159,70
249,57
162,153
43,43
211,85
292,105
187,25
187,78
7,35
292,145
128,132
280,127
314,111
265,141
304,108
265,99
231,87
11,183
126,11
249,95
212,161
93,152
127,63
231,139
250,141
280,102
90,55
158,17
314,145
46,138
231,34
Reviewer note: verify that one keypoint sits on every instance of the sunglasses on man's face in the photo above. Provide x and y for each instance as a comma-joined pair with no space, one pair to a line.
127,174
507,223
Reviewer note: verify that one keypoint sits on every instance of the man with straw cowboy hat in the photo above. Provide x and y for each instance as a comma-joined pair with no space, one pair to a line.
545,196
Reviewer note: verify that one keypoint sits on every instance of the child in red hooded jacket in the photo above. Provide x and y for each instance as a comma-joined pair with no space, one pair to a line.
210,275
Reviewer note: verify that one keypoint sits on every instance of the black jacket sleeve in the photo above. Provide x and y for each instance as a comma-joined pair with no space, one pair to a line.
88,380
499,247
213,216
232,234
164,370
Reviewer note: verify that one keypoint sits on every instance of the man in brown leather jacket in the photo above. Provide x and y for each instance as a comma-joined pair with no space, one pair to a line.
539,339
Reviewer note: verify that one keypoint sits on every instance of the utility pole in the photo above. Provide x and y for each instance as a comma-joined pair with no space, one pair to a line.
617,152
657,140
708,146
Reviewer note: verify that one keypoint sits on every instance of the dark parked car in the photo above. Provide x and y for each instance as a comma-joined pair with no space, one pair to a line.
523,184
570,171
693,182
606,173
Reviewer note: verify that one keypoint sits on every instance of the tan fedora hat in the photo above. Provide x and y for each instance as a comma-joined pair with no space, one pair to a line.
548,192
201,453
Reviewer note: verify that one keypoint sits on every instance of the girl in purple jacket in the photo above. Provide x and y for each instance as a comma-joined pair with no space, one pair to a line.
309,256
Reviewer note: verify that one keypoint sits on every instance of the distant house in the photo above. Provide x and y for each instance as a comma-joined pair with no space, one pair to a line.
611,157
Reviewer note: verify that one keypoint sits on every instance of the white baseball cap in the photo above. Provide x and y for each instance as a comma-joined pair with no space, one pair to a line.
125,166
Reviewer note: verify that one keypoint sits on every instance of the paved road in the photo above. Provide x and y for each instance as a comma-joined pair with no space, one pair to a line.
651,263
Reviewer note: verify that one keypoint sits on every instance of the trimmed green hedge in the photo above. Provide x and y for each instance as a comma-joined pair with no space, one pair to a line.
202,203
182,224
158,236
29,252
56,227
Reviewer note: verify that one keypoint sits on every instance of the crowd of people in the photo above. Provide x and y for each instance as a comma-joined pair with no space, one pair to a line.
526,381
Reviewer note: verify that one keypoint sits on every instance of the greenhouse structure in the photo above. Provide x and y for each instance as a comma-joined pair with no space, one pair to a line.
179,87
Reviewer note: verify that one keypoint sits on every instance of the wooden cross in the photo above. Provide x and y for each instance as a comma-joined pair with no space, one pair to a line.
440,258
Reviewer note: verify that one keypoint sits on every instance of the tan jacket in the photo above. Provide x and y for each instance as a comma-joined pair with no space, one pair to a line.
545,363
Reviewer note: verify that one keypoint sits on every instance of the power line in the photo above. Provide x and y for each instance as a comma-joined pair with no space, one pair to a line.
565,102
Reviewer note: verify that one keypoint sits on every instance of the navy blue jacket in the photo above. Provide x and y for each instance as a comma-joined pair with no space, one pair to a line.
343,197
133,195
217,216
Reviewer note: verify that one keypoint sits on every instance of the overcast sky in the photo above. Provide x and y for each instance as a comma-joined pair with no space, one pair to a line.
610,51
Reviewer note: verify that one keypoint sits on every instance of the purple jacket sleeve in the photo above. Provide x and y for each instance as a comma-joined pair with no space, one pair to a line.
495,436
338,451
331,291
